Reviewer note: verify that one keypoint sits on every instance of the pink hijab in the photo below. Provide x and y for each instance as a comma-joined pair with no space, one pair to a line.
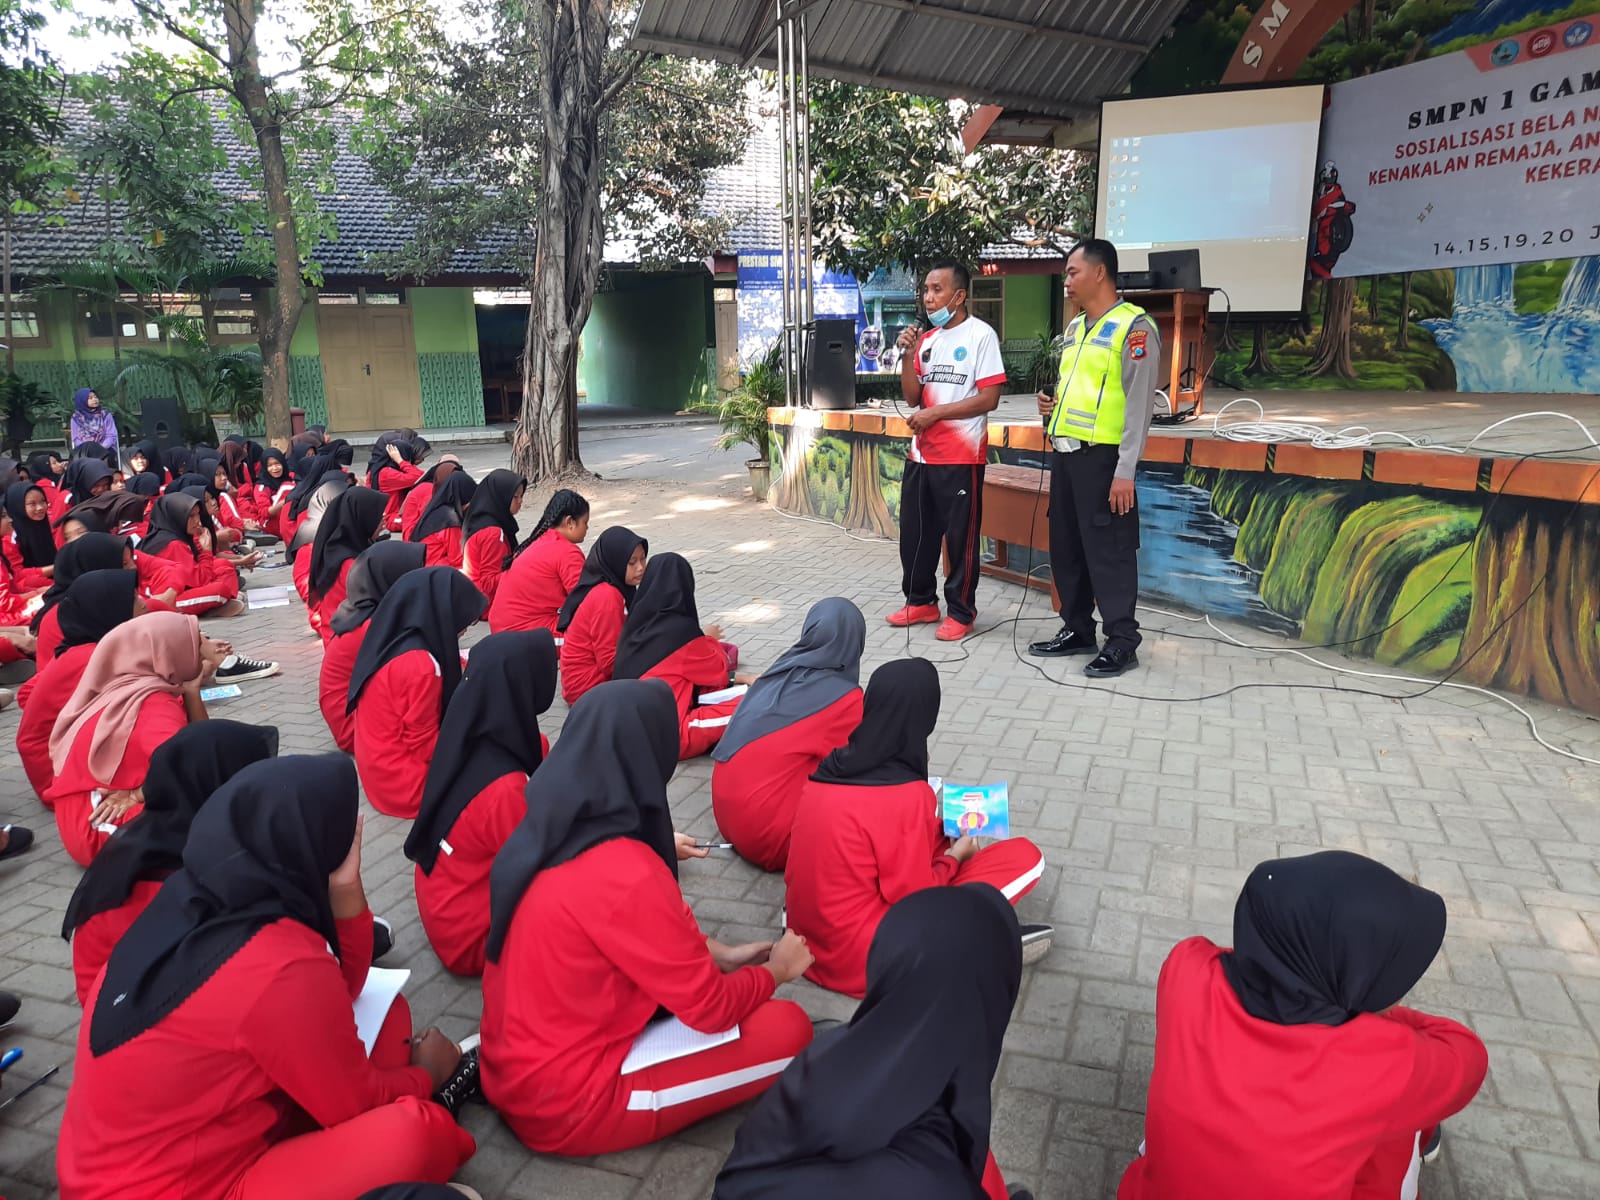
149,655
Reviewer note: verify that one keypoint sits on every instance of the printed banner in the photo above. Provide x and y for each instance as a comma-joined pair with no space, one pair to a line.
1488,155
761,300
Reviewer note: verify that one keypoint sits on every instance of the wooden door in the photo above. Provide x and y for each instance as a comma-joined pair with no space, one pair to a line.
345,379
727,335
392,356
369,367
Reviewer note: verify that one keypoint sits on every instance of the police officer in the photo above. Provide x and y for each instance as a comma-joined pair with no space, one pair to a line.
1097,422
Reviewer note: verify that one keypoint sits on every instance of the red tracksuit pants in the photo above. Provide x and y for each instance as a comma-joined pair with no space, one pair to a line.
410,1140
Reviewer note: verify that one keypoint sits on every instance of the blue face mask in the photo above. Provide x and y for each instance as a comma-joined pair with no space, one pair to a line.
941,318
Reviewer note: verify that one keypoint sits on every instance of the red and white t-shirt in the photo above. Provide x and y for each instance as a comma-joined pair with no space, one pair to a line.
955,364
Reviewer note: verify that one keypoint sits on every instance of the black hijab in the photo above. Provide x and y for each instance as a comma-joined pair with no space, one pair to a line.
376,570
84,474
178,460
490,729
34,539
260,850
1322,938
606,778
189,481
446,506
329,490
491,504
352,520
898,1101
607,563
91,552
341,451
96,603
39,467
184,771
662,618
145,483
910,1074
98,452
322,467
378,458
270,454
425,610
169,522
898,715
110,510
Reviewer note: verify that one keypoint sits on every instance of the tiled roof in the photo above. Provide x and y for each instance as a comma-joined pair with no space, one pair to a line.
750,191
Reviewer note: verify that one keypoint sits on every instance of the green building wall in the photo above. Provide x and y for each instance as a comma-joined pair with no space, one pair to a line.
645,343
446,331
1027,307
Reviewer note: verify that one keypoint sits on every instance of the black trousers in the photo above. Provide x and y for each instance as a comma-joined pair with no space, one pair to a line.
1094,555
941,505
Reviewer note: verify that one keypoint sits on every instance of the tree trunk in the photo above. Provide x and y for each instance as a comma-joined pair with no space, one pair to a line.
11,357
1333,354
571,39
1261,353
1403,339
282,315
1372,299
867,509
116,325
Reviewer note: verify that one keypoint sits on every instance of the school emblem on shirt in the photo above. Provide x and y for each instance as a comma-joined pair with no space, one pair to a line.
1136,343
961,354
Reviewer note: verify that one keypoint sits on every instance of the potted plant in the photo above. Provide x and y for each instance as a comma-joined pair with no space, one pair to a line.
22,404
742,413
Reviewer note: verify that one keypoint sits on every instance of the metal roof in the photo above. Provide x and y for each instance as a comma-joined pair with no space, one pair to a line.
1051,57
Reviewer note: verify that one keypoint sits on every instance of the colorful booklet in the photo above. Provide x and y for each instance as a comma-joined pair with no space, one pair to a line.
981,811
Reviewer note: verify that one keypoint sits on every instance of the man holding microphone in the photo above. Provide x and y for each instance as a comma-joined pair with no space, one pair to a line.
1096,424
951,377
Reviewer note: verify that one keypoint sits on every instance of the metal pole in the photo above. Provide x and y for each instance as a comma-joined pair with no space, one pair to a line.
786,350
803,205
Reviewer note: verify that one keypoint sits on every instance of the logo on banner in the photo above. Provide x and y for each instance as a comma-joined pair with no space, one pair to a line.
1577,34
1541,43
1505,53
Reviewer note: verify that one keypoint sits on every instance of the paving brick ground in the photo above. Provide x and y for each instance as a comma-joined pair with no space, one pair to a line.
1150,813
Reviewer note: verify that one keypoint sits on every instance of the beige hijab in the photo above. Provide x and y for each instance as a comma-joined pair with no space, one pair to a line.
156,653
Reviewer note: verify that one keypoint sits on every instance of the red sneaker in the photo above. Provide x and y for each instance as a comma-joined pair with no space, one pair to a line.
952,630
914,614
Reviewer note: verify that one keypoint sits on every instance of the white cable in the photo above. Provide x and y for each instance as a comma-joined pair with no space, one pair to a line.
1520,416
1262,430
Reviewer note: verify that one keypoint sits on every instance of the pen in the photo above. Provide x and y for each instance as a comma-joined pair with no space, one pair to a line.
713,845
5,1104
9,1060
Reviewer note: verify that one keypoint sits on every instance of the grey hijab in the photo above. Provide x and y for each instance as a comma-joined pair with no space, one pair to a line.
818,670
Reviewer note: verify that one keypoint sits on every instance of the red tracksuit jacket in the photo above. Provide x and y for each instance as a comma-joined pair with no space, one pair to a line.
96,938
333,688
331,599
598,944
411,511
589,646
485,551
394,481
699,666
397,727
443,548
755,793
1253,1110
49,691
532,592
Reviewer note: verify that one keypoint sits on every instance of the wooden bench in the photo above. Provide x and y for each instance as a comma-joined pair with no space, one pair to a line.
1016,505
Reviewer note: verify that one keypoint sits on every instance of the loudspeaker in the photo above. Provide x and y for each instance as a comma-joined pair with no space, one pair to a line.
831,363
161,418
1178,270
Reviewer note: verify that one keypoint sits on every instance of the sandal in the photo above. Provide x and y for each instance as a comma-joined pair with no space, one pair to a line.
18,840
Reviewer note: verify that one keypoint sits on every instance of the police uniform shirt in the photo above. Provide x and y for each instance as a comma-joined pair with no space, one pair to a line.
1141,366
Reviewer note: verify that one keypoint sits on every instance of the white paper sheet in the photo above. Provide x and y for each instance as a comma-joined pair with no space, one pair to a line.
377,994
732,693
669,1038
267,597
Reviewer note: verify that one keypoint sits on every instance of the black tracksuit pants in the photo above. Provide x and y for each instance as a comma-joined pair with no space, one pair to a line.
1094,555
941,504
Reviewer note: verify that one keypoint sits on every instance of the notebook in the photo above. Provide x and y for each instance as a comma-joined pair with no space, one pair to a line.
731,693
982,811
222,691
377,995
669,1038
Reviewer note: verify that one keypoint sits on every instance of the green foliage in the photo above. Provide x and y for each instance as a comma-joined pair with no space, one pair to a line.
742,413
31,91
1398,34
218,378
1196,53
23,400
894,187
1537,285
1036,369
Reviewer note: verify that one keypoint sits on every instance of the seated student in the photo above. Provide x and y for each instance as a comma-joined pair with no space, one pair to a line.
227,512
46,468
240,487
376,570
229,1065
662,639
868,832
489,744
352,522
421,492
545,568
274,480
121,513
92,552
125,876
96,603
143,456
897,1102
20,587
395,474
314,487
402,681
85,479
491,529
591,618
439,527
179,557
590,937
141,686
304,538
1325,946
31,548
799,711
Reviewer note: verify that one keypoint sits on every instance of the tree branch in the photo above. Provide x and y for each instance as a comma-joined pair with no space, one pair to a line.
624,76
152,12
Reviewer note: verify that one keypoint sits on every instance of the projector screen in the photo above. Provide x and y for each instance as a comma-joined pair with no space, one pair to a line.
1227,173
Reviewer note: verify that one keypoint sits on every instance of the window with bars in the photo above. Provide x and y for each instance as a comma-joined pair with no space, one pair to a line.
26,328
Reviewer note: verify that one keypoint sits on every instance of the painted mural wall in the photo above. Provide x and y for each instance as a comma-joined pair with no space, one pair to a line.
1483,571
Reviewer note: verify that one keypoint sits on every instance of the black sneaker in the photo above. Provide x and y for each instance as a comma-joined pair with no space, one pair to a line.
1064,643
382,938
464,1085
1036,941
10,1005
1434,1145
1018,1192
1110,662
236,668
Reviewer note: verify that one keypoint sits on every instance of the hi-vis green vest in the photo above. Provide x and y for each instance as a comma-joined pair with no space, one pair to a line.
1090,402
